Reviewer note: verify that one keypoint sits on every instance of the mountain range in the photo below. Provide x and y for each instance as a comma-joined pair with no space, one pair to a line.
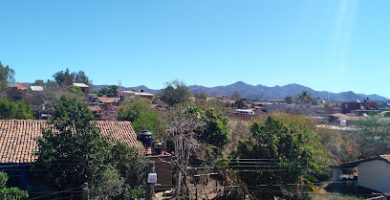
262,92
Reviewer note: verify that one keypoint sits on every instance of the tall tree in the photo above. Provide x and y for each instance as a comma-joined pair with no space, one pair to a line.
71,152
81,77
64,78
6,75
176,92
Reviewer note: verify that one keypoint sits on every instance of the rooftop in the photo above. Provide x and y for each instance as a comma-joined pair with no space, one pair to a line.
81,85
18,137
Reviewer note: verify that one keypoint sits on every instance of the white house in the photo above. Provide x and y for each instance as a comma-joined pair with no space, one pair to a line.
374,173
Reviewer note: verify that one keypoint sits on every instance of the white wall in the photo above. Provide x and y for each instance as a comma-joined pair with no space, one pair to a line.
374,175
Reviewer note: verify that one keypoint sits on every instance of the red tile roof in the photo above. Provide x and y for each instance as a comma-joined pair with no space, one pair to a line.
18,137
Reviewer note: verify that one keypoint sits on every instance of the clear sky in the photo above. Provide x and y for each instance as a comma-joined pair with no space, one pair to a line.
335,45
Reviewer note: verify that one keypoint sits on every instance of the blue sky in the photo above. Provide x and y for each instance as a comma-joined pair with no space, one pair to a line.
335,45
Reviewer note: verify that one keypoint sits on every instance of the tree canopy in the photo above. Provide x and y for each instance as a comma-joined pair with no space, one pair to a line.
72,153
15,110
10,192
67,78
139,111
110,91
293,152
6,75
176,92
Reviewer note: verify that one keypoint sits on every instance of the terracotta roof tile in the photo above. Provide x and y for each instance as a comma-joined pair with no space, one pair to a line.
18,137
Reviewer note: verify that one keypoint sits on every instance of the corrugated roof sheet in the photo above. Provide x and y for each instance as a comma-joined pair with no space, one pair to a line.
36,88
18,137
82,85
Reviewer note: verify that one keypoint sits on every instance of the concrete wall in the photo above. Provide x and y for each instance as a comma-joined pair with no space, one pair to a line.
374,175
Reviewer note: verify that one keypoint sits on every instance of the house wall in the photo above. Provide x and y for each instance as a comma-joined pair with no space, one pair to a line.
374,175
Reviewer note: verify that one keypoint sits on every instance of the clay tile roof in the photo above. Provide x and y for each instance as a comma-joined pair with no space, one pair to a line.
18,137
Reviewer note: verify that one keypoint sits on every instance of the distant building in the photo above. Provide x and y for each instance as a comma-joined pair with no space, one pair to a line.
84,88
18,86
343,119
140,94
348,107
36,88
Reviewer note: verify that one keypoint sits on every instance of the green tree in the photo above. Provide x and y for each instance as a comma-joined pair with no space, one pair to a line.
5,109
139,111
110,91
15,110
129,162
64,78
73,152
22,110
6,75
81,77
215,131
175,93
292,153
12,192
39,82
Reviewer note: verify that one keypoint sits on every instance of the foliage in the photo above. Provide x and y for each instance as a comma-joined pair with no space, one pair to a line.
338,145
175,93
111,184
66,78
6,75
149,121
130,110
110,91
15,110
215,131
139,112
372,136
39,82
305,98
129,162
12,192
72,152
201,96
295,152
